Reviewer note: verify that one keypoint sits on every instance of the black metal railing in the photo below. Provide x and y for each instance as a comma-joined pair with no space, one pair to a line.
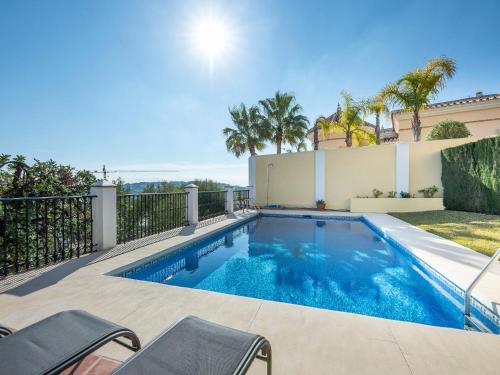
211,204
142,215
241,200
38,231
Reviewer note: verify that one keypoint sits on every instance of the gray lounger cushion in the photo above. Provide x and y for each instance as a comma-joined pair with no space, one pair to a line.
194,346
49,345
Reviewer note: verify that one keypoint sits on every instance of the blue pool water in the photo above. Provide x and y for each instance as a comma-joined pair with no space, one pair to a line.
332,264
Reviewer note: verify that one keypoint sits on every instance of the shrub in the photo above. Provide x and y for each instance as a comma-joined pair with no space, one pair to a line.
429,191
376,193
320,201
404,194
471,176
392,194
448,129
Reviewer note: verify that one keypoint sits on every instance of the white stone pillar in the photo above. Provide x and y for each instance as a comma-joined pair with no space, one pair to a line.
192,189
229,199
104,214
319,173
402,167
252,179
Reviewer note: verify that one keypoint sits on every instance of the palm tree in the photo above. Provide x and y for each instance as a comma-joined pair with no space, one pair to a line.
417,88
249,133
283,119
377,106
348,120
316,129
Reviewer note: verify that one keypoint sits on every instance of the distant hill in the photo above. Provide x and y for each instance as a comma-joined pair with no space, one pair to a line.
138,187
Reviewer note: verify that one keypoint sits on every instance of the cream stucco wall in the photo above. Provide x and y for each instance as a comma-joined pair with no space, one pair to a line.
291,179
356,171
425,162
481,120
348,172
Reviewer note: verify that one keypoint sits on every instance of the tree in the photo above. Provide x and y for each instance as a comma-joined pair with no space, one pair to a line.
283,120
448,129
41,179
377,106
121,189
348,120
249,133
414,91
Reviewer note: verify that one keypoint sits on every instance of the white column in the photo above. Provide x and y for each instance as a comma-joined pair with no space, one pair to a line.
229,199
319,173
104,214
192,189
402,167
252,179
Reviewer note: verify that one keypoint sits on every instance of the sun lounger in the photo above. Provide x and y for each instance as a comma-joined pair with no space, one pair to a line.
191,346
195,346
59,341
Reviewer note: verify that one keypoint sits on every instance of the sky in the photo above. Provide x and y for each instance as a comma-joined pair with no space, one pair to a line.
130,84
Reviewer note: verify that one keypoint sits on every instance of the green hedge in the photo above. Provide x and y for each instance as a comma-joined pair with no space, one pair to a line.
470,176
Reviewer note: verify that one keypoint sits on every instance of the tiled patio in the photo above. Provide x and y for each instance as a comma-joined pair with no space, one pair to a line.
304,340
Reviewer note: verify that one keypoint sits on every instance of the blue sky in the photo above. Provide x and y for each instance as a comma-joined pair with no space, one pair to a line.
121,83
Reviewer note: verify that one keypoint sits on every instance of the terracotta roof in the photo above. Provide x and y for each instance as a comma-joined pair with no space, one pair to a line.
480,97
388,133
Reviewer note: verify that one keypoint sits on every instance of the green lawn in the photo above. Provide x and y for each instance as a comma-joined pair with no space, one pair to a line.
478,232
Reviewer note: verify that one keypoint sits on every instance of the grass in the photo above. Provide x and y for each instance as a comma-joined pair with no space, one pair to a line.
479,232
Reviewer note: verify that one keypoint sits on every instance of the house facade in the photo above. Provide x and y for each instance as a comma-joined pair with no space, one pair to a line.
480,113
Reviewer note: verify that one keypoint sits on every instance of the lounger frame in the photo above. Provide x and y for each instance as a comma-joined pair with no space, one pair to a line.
4,331
135,345
262,345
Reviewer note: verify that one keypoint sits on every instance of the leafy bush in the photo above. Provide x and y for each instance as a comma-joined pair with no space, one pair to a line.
392,194
376,193
471,176
42,178
429,191
320,201
448,129
404,194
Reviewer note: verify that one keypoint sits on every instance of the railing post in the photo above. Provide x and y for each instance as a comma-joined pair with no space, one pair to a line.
229,199
104,214
192,213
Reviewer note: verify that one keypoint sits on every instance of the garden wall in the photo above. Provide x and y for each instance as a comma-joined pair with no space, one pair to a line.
356,171
425,163
471,176
299,179
291,179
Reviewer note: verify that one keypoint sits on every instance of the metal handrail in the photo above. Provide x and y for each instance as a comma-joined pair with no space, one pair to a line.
477,279
14,199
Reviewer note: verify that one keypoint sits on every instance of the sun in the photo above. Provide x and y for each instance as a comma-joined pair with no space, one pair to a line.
212,38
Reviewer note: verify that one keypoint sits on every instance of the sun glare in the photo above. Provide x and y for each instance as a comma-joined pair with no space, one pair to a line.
212,37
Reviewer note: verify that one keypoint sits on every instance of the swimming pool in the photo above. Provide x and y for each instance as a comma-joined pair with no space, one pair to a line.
335,264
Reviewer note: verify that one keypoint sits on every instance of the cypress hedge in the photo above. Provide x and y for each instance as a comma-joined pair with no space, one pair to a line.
471,176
